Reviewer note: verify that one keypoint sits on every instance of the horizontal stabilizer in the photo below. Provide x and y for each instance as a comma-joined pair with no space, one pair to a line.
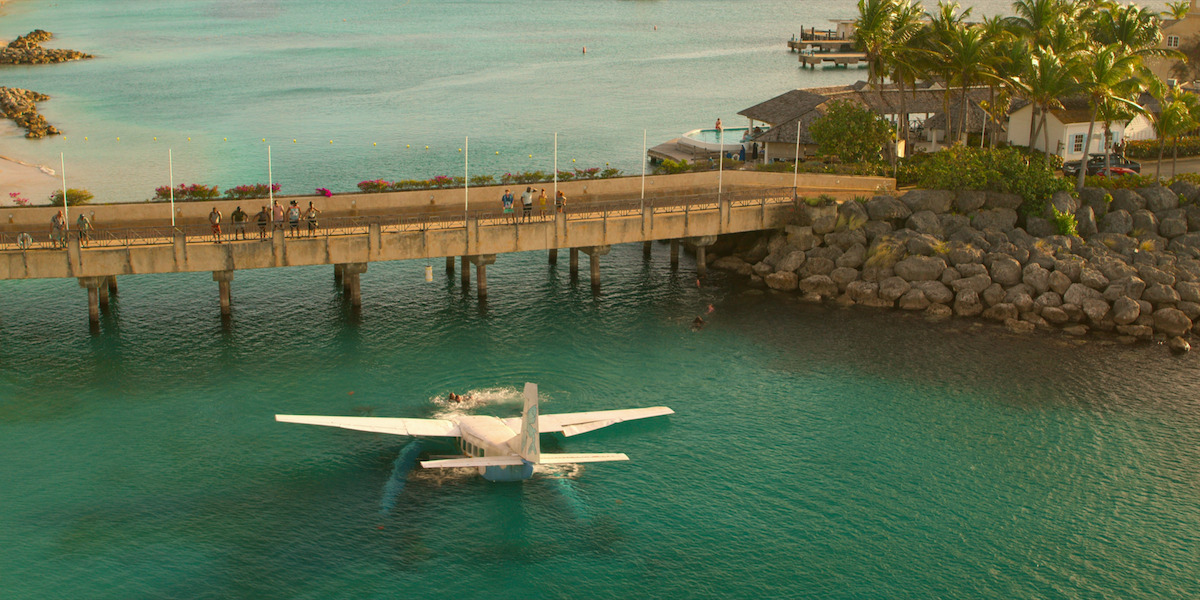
480,461
564,459
394,426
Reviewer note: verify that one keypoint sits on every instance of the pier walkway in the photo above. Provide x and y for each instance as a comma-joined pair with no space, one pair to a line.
351,243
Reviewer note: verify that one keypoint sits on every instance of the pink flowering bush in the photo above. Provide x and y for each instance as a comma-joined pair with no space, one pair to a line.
17,199
324,192
374,186
258,190
186,193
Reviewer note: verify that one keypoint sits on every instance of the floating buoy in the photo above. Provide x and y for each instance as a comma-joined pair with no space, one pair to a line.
585,49
264,139
118,139
293,140
428,273
497,152
85,138
330,141
156,138
189,139
374,144
572,160
227,139
408,145
530,156
460,149
426,147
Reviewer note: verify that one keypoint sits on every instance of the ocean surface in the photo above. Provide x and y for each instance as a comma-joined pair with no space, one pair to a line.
815,453
363,87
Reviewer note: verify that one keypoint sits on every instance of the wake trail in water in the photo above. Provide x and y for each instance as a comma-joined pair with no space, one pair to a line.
395,484
564,479
475,399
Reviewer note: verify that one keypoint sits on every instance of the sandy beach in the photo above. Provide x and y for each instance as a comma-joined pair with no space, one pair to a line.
30,180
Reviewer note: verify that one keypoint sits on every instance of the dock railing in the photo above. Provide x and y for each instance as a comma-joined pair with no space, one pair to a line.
102,237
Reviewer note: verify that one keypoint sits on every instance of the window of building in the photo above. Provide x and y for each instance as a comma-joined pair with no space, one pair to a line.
1077,142
1172,41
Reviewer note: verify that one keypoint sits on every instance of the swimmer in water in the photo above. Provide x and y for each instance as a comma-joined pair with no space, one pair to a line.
698,324
454,397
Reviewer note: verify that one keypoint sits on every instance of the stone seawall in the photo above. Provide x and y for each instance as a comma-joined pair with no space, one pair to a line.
18,104
1133,270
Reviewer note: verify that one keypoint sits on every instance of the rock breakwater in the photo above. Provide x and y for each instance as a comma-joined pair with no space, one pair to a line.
19,105
28,50
1133,269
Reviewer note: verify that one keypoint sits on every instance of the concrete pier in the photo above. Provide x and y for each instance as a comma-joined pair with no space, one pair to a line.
702,243
223,279
351,282
449,264
112,285
574,262
337,274
553,256
594,253
674,254
93,291
103,288
647,247
481,262
466,272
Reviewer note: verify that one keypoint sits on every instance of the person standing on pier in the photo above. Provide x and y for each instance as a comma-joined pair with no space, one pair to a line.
560,201
264,217
542,202
527,204
214,219
507,202
57,224
239,223
276,215
84,225
293,214
311,217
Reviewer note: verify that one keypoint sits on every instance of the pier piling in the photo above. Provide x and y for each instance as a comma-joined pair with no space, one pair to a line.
594,253
574,262
481,262
674,254
93,291
702,243
450,264
112,285
646,249
351,282
554,256
466,273
223,279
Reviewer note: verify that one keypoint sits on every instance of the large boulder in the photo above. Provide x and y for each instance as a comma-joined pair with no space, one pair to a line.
853,257
1117,221
887,208
818,265
1078,292
1000,312
1185,243
967,201
1128,287
824,225
1059,282
967,304
845,239
934,291
1006,271
913,299
1152,275
1062,202
1172,227
1093,279
850,216
1172,322
762,269
1085,222
951,223
802,237
728,263
1126,200
935,201
1189,291
1187,189
1191,212
974,283
1160,294
1095,198
1125,310
925,222
1095,309
892,288
920,268
1039,227
1159,198
960,253
860,291
1002,200
1144,223
1047,299
923,244
1000,219
1055,315
784,281
1037,277
819,285
791,262
992,294
1117,242
843,276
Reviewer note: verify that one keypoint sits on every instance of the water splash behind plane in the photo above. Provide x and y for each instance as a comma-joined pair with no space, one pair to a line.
395,484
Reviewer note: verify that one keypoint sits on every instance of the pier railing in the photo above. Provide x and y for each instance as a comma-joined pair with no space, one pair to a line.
402,222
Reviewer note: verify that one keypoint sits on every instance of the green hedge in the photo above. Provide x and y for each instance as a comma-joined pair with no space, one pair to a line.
1148,149
1006,170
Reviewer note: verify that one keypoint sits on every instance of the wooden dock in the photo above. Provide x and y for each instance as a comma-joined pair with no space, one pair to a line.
811,60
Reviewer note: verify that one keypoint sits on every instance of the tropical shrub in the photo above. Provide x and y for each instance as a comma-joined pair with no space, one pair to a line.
324,192
1001,170
75,197
1064,223
258,190
18,199
374,186
1186,146
1127,182
851,132
187,193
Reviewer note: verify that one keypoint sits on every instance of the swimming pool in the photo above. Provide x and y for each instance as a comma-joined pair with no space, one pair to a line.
709,139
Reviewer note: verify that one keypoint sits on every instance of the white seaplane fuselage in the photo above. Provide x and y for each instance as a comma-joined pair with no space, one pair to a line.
484,436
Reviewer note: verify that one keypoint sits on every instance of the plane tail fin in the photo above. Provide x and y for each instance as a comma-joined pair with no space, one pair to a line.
531,445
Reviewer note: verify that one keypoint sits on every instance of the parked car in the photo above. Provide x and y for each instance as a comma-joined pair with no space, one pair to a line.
1096,163
1115,172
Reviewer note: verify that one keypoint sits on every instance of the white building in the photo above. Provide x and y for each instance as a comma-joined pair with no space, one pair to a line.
1066,128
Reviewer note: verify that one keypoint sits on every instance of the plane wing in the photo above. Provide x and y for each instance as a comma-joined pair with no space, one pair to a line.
479,461
582,422
394,426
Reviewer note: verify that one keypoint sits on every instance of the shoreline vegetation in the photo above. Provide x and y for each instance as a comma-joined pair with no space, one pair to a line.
20,105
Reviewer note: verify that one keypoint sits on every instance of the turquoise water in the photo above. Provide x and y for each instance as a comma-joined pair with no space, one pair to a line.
383,79
815,452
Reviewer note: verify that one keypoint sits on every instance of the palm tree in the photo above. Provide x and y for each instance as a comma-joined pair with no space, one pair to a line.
903,52
967,52
1033,19
1136,30
943,28
1109,76
1180,114
873,33
1049,77
1010,59
1177,10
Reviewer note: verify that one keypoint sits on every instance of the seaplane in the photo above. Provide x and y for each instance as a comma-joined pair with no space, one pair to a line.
502,449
